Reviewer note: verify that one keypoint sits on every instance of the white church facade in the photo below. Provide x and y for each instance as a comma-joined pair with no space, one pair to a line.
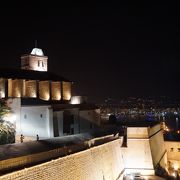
40,100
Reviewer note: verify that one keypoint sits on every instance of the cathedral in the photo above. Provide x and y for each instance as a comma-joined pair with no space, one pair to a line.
41,101
33,80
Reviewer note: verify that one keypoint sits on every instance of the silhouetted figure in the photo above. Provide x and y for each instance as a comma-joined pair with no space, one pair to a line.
124,144
37,137
112,119
21,138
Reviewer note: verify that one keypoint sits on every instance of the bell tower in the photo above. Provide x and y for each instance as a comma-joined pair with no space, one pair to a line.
35,61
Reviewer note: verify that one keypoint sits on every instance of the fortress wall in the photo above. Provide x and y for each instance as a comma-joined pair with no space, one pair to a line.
158,150
100,162
173,153
137,156
137,132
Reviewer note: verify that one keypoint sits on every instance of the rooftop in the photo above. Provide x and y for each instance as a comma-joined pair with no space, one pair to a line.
31,75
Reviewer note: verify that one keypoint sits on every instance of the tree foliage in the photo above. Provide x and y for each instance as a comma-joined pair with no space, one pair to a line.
7,130
4,109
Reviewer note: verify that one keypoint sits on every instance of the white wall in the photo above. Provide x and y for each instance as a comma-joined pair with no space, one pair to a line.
15,105
34,121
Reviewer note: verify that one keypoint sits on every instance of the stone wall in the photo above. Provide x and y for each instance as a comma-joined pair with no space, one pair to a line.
145,149
55,91
36,63
30,88
158,150
173,153
66,90
137,132
137,156
15,87
100,162
44,91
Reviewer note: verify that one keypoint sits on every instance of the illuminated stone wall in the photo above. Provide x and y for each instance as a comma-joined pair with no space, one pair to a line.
9,87
36,63
137,132
157,146
55,91
173,153
15,87
137,156
44,91
145,149
30,88
100,162
66,90
2,88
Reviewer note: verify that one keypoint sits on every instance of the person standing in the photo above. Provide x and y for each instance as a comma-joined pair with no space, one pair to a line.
21,138
37,137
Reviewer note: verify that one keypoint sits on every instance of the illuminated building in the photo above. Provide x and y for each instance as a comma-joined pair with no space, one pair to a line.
33,80
32,91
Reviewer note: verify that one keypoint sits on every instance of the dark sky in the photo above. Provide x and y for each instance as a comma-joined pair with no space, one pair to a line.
109,50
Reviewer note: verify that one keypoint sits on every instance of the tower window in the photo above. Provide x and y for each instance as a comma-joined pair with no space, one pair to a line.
25,116
40,64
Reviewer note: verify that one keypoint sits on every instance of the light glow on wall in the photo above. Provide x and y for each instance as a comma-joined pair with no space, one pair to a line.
30,88
68,96
176,166
47,96
75,100
44,91
66,90
11,117
2,94
55,91
2,88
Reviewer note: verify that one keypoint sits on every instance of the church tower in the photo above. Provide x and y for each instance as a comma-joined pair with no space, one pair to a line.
35,61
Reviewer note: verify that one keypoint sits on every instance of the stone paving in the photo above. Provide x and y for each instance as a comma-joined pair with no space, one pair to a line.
21,149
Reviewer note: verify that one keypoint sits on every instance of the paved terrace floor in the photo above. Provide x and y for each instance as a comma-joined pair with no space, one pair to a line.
21,149
59,146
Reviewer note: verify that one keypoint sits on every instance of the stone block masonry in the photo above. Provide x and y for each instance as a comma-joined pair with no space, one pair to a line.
99,162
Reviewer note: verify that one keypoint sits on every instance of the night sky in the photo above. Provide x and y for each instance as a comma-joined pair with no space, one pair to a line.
108,50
